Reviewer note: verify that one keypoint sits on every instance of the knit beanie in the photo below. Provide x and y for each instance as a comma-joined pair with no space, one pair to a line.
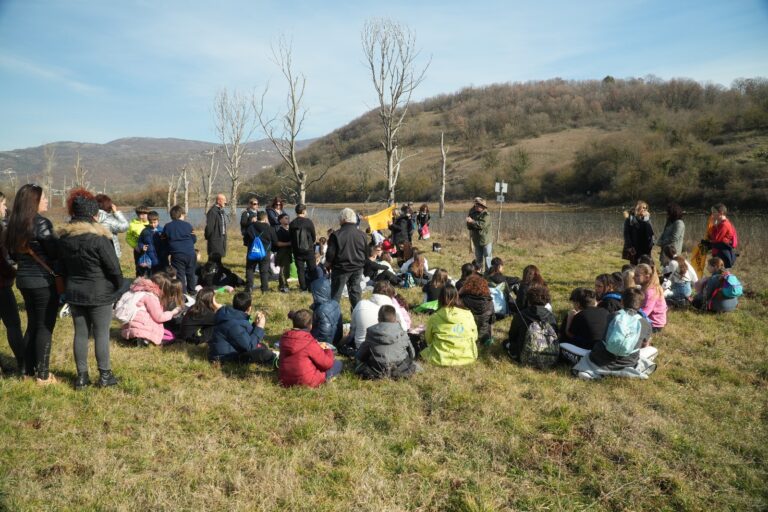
84,208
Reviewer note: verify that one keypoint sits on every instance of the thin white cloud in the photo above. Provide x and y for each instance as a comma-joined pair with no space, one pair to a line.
51,74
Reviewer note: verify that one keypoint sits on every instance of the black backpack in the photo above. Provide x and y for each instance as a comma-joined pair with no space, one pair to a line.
304,241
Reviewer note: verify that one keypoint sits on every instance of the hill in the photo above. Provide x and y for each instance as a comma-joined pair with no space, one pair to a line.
597,141
122,165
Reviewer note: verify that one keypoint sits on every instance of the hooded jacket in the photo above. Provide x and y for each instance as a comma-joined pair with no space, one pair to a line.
148,321
233,335
401,230
89,264
156,247
638,234
326,318
116,223
366,314
29,273
387,350
451,337
135,227
302,361
610,301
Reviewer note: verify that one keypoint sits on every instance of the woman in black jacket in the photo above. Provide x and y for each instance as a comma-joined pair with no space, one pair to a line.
9,309
94,279
32,244
638,233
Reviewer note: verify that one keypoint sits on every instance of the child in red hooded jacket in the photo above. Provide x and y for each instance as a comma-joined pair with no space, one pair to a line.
304,361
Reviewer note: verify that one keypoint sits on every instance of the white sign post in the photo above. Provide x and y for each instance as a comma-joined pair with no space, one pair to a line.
500,189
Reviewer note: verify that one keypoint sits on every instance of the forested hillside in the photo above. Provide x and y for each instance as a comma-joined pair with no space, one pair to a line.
598,141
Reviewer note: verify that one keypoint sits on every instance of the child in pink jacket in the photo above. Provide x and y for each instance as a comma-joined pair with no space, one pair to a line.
146,326
654,306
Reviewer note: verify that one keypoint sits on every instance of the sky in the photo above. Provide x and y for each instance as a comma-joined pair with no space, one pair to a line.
99,70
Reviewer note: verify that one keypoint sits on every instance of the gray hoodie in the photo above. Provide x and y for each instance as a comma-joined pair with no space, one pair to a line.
386,345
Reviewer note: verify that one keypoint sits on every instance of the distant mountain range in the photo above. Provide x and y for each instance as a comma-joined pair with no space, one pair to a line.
123,163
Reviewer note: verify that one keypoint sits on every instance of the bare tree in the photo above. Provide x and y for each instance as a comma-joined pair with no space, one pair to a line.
235,123
184,182
207,172
171,199
81,173
284,134
444,154
49,156
390,53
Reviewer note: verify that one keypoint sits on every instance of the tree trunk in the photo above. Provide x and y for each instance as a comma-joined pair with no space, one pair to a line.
444,153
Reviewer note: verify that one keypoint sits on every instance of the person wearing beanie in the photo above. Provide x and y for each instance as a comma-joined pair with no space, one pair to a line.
93,282
345,257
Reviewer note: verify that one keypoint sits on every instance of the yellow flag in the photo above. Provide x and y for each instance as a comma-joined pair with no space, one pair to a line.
381,220
699,259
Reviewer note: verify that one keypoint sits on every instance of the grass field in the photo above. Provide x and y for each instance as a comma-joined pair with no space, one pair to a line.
180,434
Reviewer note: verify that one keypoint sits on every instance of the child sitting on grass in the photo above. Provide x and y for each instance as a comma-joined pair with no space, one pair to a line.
609,298
623,352
198,322
654,306
235,338
146,325
215,274
304,361
387,351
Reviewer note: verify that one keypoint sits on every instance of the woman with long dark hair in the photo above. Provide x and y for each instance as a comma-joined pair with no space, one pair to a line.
674,232
9,309
32,244
94,278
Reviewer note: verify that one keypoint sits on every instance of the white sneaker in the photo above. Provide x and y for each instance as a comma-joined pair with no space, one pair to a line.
65,311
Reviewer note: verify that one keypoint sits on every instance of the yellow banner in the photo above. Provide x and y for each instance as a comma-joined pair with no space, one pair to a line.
380,220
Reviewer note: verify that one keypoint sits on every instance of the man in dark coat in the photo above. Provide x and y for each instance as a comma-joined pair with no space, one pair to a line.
216,221
347,250
303,238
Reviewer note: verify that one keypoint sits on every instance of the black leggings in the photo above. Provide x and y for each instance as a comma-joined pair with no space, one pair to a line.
9,314
42,305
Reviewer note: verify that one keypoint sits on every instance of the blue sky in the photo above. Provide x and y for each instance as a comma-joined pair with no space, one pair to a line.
95,71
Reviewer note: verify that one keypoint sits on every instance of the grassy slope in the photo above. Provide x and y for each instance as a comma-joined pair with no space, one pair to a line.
179,433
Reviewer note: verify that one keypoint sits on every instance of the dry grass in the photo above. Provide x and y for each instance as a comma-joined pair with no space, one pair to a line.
179,434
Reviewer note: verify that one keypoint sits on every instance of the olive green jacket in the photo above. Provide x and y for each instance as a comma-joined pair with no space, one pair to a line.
480,230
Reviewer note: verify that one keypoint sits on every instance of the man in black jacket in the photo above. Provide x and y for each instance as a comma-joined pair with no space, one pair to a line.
248,216
345,257
216,227
303,239
263,230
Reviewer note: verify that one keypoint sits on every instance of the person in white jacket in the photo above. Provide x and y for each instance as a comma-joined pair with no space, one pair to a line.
366,314
112,218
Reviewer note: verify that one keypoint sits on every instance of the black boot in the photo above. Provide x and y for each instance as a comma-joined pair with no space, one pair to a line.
82,381
106,378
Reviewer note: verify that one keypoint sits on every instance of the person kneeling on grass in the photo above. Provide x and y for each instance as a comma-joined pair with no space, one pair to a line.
624,351
304,361
387,351
235,338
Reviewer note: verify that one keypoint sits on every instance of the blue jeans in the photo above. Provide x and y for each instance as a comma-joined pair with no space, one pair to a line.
334,371
681,291
483,255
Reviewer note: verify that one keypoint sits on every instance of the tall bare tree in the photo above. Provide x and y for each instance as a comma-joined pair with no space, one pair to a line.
283,134
184,182
390,52
207,173
444,160
81,173
49,159
235,123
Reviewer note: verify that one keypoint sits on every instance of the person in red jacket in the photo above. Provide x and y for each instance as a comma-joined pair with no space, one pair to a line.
303,360
722,236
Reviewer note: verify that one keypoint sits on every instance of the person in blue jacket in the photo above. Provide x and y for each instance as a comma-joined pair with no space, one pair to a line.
235,338
152,243
326,312
181,246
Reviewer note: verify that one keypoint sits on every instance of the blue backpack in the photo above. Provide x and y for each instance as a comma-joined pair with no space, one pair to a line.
623,334
257,251
730,286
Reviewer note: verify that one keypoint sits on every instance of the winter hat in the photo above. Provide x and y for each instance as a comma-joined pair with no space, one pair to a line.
84,208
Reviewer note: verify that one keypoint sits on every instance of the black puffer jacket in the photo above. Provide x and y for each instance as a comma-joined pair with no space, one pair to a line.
89,264
401,230
347,249
30,274
482,309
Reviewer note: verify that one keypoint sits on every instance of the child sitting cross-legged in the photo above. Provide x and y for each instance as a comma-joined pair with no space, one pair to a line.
304,361
623,352
387,351
235,338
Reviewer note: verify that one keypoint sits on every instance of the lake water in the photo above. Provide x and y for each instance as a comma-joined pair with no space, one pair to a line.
559,226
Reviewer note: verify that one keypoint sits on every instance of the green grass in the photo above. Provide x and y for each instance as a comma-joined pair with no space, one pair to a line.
180,434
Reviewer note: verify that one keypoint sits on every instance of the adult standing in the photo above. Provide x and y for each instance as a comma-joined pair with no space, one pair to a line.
32,244
273,212
111,218
422,220
722,237
638,233
216,221
9,309
346,257
401,228
248,216
479,226
303,237
93,277
264,231
283,257
674,232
